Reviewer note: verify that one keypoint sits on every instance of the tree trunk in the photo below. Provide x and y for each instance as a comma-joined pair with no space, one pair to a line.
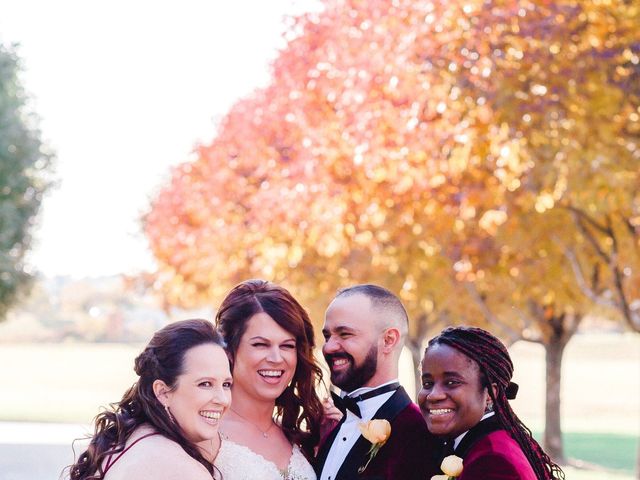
552,430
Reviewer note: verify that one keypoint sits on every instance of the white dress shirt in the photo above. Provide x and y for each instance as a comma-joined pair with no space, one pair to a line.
349,431
459,438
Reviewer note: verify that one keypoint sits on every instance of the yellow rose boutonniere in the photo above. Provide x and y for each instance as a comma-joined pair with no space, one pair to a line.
451,466
377,432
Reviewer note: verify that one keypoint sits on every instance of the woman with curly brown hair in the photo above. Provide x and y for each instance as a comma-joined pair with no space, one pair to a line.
165,427
273,425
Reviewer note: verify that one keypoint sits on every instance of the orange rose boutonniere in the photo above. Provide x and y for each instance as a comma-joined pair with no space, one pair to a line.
377,432
451,466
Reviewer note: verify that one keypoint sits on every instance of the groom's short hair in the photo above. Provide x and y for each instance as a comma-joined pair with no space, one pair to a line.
384,301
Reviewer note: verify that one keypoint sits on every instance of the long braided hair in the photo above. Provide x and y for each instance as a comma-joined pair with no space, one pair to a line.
496,368
163,359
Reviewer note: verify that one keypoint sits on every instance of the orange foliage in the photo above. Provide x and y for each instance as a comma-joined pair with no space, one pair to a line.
439,148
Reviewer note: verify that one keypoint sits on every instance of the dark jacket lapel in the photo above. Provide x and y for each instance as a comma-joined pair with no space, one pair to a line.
357,456
324,448
485,427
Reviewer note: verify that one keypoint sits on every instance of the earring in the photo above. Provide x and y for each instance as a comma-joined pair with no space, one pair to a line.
166,409
489,407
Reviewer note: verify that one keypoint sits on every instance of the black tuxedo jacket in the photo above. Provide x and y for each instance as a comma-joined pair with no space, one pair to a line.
410,453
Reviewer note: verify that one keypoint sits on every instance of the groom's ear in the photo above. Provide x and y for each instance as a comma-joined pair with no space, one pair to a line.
390,339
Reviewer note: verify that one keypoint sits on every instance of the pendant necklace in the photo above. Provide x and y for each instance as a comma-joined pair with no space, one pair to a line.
263,432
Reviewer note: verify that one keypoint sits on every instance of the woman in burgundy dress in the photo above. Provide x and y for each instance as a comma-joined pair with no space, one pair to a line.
466,388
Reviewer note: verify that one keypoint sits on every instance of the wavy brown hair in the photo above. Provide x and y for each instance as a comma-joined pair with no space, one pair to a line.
162,359
298,406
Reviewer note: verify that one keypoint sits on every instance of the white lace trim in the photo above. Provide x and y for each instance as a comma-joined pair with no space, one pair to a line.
238,462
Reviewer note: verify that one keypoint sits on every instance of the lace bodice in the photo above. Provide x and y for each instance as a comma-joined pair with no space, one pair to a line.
237,462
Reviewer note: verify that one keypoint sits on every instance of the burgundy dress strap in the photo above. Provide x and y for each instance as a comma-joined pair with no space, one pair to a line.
112,460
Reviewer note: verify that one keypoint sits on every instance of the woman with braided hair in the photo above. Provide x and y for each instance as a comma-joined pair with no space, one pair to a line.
165,427
466,388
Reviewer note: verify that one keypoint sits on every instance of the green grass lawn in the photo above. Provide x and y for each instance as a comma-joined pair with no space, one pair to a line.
616,452
581,474
609,450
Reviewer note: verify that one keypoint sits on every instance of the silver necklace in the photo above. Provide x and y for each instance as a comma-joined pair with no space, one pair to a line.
263,432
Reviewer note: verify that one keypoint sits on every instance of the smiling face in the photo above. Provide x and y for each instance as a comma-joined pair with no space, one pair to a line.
351,342
265,360
202,393
452,398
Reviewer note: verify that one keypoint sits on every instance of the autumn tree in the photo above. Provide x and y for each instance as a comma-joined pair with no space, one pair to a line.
585,143
24,166
231,211
561,79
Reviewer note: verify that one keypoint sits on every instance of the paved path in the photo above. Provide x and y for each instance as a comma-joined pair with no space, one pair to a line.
37,451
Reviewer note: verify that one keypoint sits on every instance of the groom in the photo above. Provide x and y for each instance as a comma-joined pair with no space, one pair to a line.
364,331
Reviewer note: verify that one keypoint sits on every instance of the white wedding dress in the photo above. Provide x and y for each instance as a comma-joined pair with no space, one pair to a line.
237,462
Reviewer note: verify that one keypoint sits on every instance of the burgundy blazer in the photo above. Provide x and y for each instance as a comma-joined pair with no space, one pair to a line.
410,453
490,453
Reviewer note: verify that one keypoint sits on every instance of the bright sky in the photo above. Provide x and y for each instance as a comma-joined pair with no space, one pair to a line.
125,89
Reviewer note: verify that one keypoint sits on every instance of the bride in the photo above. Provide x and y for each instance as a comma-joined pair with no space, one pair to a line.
272,426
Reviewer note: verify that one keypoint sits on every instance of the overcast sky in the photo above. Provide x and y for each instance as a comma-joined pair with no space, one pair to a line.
125,89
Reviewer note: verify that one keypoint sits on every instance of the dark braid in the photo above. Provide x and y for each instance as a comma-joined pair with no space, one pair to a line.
496,368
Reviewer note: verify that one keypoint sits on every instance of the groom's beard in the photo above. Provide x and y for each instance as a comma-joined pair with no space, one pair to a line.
355,376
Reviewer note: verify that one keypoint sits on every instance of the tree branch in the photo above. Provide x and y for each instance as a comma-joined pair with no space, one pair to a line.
488,313
574,323
590,220
578,219
588,290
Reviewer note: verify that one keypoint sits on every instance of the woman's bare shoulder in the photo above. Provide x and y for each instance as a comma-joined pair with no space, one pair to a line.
169,467
158,458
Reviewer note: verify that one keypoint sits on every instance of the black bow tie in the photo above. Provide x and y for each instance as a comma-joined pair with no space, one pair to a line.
351,403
